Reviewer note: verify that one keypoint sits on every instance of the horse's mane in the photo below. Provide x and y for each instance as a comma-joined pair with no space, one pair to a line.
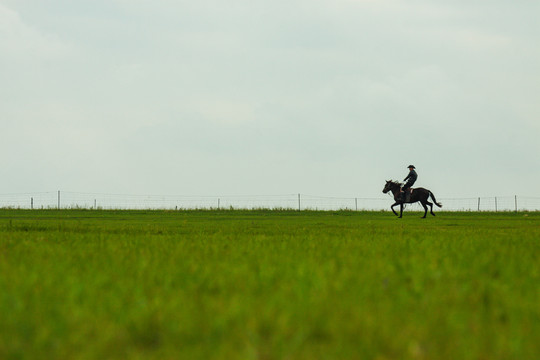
396,183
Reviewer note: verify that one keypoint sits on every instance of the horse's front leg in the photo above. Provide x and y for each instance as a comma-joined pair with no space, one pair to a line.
392,207
400,210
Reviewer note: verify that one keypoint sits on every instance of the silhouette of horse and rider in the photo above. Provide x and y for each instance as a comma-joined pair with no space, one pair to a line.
404,193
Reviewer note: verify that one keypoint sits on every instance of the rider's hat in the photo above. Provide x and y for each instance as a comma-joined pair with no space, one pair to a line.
411,166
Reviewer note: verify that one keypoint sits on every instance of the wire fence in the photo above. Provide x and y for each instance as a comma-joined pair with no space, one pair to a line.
81,200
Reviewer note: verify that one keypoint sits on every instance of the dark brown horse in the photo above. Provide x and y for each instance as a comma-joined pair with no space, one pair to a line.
417,194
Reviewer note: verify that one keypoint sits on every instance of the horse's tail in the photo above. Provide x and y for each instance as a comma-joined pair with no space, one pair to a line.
435,200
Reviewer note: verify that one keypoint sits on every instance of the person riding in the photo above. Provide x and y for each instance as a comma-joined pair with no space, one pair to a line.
410,180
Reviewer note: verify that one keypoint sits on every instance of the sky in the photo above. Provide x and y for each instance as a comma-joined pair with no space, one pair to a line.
252,97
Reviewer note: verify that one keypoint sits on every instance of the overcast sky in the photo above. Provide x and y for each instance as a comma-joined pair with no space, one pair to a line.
252,97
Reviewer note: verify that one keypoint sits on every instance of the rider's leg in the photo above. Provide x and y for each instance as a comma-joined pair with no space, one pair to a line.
404,190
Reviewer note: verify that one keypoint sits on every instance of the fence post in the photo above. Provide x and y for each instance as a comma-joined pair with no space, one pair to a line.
218,203
356,203
515,201
58,199
495,204
299,203
32,203
478,204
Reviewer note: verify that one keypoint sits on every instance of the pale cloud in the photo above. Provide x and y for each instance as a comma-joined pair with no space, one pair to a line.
19,41
292,90
226,112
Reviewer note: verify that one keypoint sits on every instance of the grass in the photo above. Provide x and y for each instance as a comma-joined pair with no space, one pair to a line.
268,285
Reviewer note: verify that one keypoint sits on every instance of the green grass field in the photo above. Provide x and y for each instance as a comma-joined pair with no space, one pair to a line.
268,285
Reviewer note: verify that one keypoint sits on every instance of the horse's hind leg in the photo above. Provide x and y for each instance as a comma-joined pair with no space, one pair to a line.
425,209
430,208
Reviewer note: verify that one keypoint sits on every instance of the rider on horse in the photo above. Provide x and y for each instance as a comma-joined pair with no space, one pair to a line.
410,180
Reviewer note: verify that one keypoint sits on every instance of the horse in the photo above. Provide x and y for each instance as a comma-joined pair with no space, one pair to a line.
417,194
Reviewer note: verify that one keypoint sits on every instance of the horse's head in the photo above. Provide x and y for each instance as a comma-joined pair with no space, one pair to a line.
390,186
387,187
